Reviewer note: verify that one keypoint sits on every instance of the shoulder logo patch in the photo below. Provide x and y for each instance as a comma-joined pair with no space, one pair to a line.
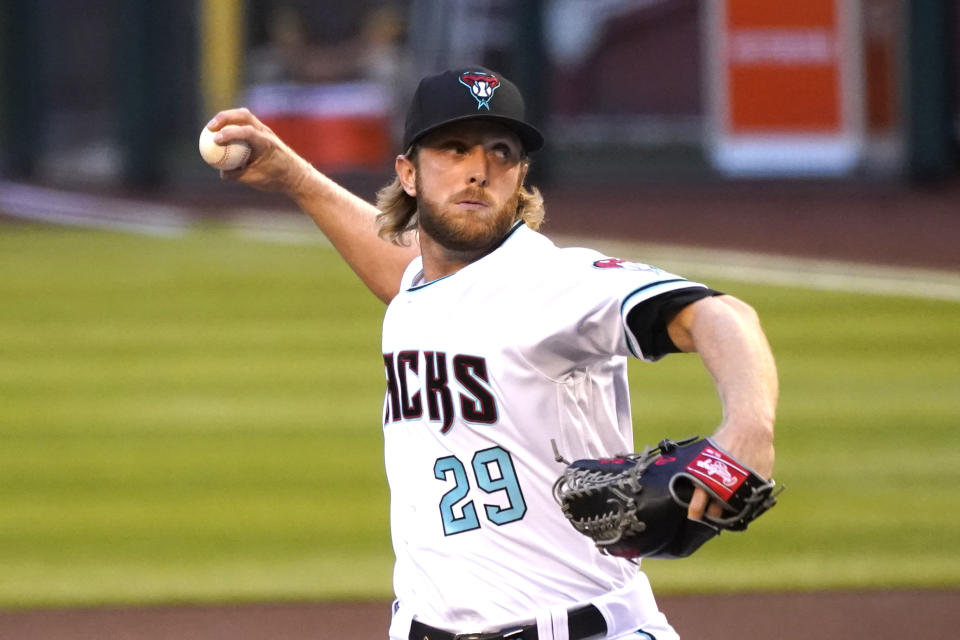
619,263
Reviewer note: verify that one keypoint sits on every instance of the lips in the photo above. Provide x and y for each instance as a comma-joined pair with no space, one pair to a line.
473,203
471,199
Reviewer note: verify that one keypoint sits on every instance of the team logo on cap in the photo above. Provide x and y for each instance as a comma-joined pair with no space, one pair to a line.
481,86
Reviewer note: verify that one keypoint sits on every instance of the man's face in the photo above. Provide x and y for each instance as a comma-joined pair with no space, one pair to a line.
467,181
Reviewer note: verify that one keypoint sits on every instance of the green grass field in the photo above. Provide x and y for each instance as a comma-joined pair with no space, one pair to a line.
197,419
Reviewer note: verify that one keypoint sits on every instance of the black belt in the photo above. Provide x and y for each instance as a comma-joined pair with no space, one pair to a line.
583,622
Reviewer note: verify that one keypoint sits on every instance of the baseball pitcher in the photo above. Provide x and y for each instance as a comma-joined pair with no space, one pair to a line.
504,357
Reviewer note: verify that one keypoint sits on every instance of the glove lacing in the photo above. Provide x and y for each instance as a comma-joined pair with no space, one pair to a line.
608,528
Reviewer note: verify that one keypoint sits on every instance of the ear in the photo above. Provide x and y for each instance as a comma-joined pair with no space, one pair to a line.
407,174
523,171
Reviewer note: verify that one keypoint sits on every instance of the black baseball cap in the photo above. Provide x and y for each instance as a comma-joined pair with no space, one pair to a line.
465,94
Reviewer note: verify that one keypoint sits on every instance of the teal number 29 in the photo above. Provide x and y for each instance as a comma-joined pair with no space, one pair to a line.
494,472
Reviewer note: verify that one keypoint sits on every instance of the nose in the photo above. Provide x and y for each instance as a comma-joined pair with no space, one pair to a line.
477,169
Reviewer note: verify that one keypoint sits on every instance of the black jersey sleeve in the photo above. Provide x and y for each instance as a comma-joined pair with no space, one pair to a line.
648,320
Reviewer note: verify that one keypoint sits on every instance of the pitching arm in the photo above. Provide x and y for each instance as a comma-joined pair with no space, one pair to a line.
348,221
726,333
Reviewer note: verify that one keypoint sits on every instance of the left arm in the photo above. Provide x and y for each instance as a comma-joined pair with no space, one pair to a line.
726,333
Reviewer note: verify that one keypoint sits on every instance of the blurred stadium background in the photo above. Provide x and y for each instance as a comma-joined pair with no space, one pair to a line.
674,89
189,378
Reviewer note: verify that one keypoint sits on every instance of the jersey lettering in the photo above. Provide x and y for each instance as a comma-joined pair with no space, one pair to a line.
411,405
391,409
439,398
406,388
471,372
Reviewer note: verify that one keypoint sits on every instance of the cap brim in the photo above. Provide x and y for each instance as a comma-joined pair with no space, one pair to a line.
529,135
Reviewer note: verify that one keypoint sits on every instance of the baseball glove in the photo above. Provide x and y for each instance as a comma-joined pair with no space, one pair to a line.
635,505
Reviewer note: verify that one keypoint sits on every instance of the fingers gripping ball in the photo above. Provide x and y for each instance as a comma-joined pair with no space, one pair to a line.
227,157
635,505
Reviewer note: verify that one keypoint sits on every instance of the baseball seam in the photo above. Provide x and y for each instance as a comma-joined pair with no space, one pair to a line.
229,150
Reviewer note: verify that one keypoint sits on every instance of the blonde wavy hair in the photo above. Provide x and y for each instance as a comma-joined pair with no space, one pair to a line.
398,210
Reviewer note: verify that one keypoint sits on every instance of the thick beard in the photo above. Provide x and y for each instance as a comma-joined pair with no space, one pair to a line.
466,236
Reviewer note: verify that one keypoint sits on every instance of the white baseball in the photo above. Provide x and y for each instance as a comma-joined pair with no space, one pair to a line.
232,155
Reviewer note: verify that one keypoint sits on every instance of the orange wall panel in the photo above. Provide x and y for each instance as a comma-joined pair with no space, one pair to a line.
805,100
783,66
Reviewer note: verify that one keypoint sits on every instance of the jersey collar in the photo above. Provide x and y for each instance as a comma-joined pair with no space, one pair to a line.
419,276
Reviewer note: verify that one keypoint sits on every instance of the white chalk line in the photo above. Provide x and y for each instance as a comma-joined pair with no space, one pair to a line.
78,209
68,208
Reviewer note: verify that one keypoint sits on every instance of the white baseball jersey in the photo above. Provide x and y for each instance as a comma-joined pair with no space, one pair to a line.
484,368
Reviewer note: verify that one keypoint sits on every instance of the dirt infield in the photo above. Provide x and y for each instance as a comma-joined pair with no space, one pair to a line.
896,615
